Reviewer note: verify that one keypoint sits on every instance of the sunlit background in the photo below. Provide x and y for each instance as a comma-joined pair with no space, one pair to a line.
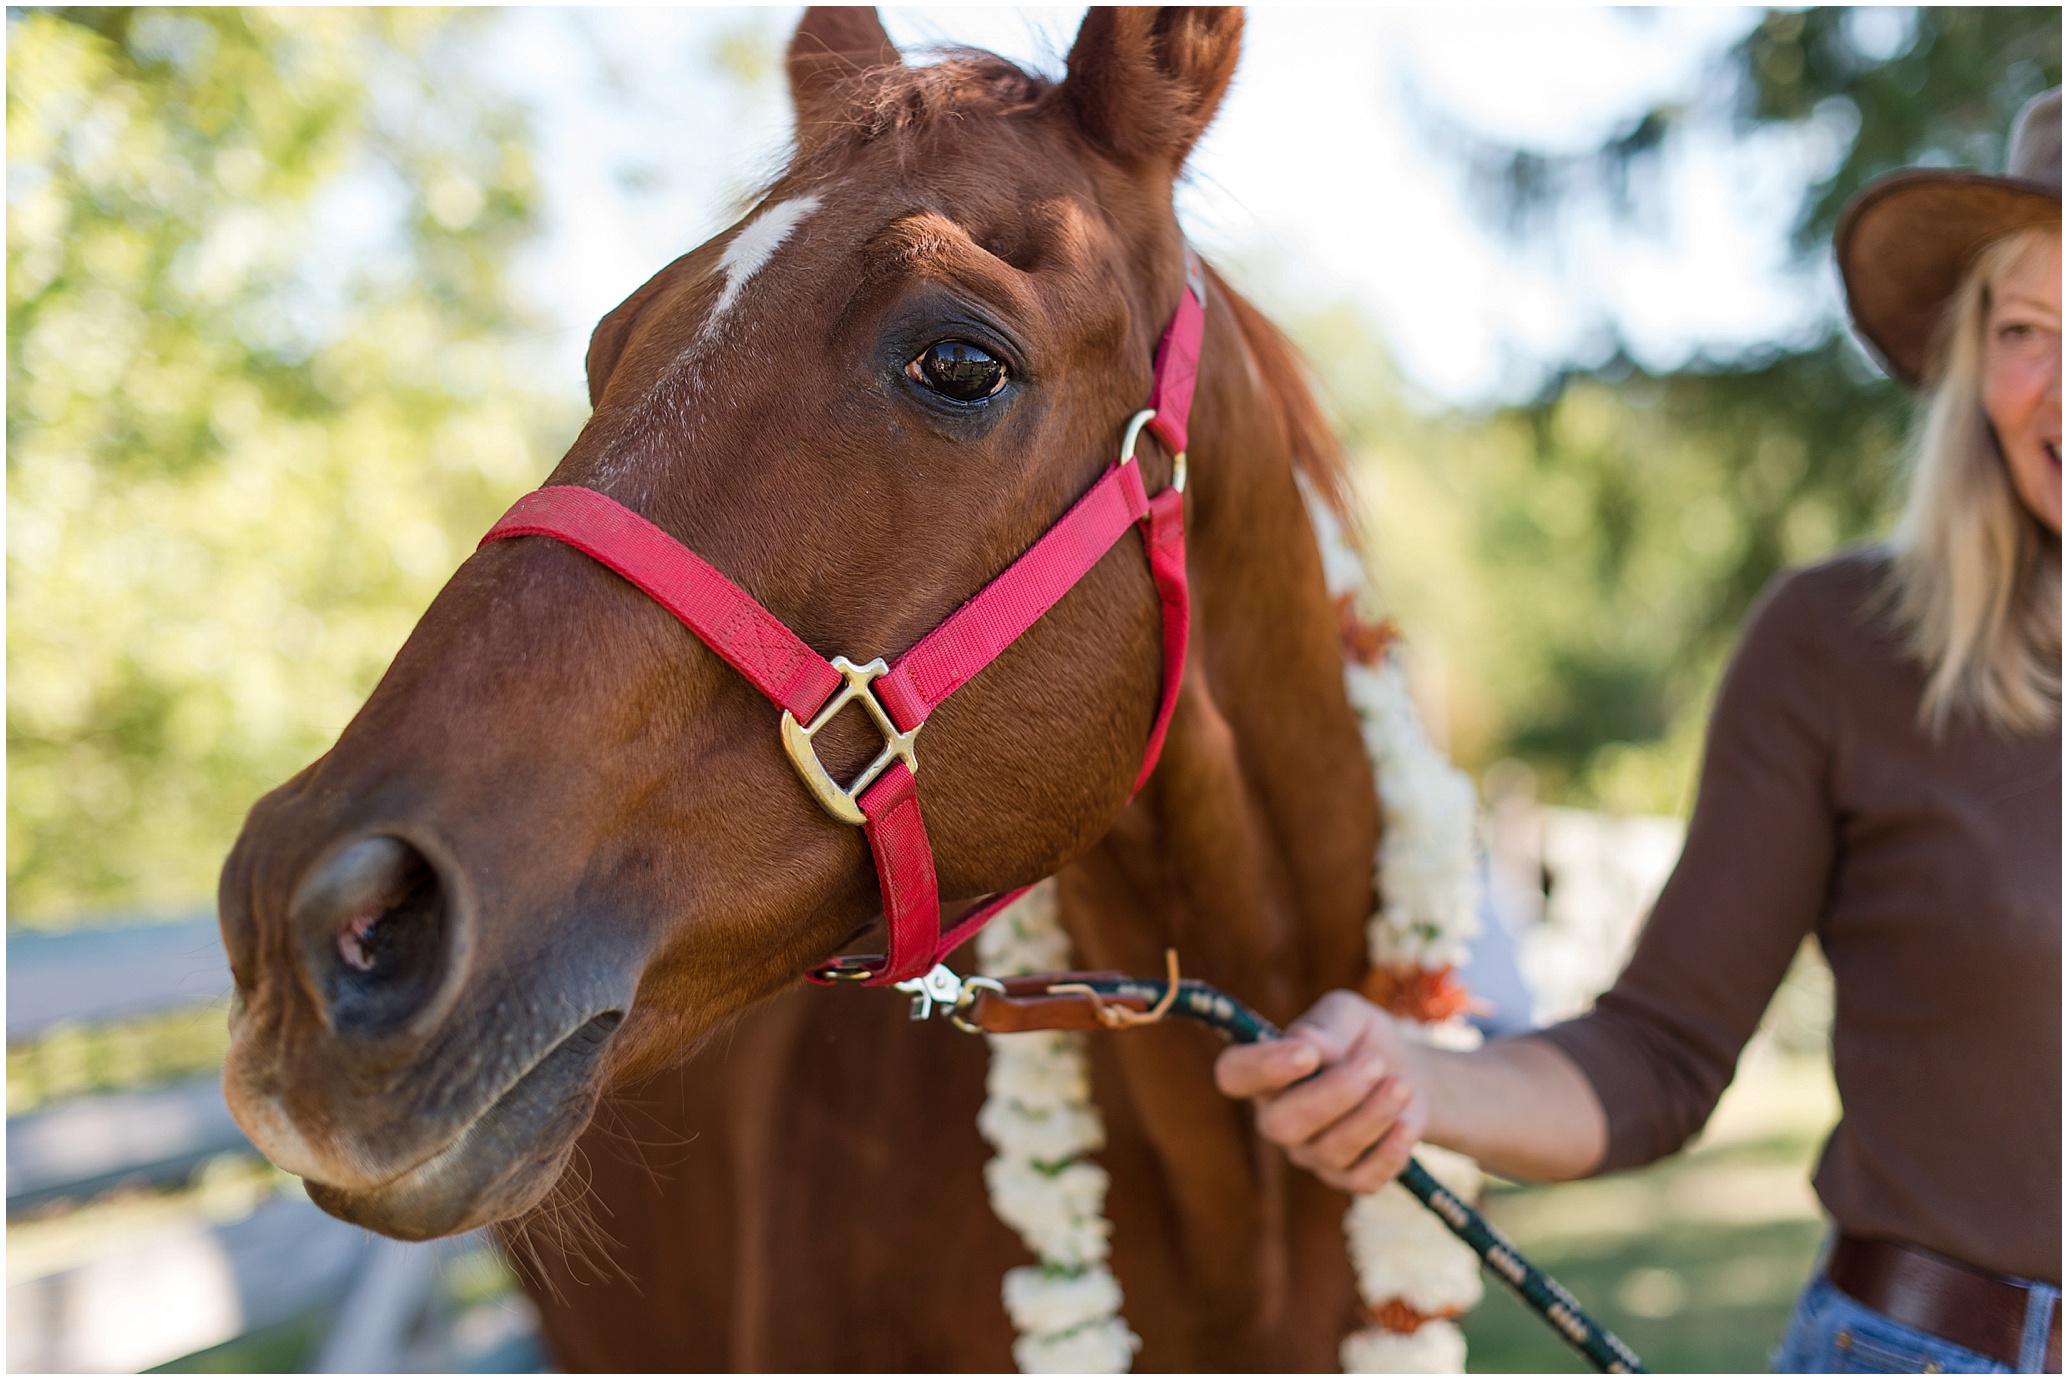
297,302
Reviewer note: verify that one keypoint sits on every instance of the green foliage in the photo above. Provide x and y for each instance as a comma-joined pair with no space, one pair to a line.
260,400
1577,567
69,1059
1731,1289
284,1348
1946,93
1890,87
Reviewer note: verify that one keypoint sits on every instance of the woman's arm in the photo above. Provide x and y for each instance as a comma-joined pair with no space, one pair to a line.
1633,1079
1520,1107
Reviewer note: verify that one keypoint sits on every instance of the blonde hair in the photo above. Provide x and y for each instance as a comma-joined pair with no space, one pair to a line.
1977,578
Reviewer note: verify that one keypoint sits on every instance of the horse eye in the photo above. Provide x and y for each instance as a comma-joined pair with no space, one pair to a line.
959,370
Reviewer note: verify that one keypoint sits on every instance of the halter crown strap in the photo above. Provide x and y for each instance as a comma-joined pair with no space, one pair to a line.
809,689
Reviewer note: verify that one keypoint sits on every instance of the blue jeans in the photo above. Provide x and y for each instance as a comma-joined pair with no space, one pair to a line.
1833,1333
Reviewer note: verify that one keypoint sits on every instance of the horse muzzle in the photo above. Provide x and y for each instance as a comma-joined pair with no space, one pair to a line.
413,1097
502,1164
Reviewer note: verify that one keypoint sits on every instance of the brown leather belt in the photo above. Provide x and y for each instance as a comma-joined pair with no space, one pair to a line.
1962,1305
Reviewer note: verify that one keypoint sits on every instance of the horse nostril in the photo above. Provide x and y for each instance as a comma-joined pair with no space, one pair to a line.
371,926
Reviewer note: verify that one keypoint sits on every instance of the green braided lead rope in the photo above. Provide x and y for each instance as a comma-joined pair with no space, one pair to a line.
1550,1299
1546,1295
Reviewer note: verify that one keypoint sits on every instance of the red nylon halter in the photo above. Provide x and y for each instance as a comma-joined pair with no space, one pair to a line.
810,691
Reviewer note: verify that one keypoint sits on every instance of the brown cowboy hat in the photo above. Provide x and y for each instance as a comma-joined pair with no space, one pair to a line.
1906,239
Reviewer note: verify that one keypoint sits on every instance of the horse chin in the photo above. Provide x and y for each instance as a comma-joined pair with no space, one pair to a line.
502,1165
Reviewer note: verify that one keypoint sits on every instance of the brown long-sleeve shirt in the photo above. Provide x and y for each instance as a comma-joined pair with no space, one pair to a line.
1929,870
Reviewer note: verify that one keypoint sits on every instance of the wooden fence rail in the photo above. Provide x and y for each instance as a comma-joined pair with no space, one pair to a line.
160,1285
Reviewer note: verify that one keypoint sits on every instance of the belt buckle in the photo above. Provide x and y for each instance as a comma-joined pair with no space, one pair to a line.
843,802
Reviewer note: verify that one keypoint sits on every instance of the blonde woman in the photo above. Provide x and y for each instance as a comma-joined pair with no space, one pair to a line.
1883,770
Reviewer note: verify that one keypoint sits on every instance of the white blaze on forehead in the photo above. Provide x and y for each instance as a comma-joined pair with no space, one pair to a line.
753,247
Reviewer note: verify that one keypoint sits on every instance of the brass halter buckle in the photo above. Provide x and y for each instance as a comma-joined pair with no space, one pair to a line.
842,802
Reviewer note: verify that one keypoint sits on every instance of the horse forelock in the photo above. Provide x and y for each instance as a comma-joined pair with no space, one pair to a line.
902,100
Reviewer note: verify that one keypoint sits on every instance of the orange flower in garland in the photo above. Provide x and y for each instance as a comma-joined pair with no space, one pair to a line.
1397,1316
1363,641
1427,995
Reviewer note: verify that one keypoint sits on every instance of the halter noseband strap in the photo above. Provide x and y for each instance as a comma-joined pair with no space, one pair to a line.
884,799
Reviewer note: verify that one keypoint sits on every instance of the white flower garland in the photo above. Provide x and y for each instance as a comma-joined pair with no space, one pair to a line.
1038,1114
1413,1275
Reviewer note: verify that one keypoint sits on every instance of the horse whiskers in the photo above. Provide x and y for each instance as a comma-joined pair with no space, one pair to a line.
565,1222
668,1137
520,1251
581,1229
638,1149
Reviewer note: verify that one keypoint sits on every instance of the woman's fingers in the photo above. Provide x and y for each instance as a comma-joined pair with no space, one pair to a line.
1330,1030
1337,1092
1336,1024
1303,1111
1262,1069
1341,1145
1383,1163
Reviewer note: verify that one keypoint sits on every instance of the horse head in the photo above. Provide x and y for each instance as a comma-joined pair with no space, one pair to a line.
561,843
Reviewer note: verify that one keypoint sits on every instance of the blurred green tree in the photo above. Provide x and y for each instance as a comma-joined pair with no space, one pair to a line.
1579,565
261,396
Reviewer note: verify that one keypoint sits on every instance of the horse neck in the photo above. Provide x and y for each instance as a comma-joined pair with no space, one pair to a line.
1251,852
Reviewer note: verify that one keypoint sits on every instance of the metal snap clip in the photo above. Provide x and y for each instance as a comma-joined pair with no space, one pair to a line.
941,986
937,984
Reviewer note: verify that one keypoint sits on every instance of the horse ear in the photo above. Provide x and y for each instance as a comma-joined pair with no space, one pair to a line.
833,45
1145,83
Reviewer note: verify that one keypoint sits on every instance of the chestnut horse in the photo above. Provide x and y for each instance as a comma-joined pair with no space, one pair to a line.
526,943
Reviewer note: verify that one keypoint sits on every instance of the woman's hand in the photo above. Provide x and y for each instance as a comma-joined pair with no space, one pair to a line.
1355,1120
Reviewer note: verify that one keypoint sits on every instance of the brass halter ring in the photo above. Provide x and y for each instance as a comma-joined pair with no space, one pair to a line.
1133,435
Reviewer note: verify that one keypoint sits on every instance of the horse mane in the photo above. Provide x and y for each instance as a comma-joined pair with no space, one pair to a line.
1316,453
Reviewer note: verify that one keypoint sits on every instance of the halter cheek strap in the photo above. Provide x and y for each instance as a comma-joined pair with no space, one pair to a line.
884,800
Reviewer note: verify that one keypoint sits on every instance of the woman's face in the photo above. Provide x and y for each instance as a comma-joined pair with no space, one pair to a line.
2021,376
